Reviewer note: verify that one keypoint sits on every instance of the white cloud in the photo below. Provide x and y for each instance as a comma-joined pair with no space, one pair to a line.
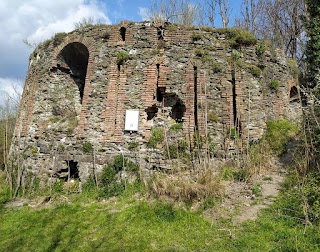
37,20
144,13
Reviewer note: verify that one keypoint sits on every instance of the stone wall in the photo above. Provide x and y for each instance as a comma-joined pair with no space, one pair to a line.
190,83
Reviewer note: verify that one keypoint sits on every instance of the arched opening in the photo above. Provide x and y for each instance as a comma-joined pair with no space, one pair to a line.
123,33
74,58
294,94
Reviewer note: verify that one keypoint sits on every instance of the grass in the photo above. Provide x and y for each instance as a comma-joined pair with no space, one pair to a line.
131,223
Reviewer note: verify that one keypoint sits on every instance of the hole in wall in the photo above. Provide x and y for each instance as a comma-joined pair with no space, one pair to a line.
151,112
160,93
160,32
123,33
75,56
294,94
177,106
73,169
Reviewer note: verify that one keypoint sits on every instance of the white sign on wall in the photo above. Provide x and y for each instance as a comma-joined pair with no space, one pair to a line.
132,120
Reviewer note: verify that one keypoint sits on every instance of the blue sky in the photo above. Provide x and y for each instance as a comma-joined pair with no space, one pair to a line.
38,20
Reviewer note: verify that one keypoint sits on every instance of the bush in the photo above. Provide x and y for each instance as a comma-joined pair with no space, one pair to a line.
196,36
133,145
260,49
122,57
111,186
156,138
310,189
87,147
176,127
274,84
178,149
279,133
254,70
238,37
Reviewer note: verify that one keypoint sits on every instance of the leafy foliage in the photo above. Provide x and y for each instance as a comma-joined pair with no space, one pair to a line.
156,137
122,57
279,133
87,147
238,37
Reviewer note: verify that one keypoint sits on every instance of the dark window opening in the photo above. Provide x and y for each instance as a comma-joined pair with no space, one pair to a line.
294,94
73,169
75,56
70,171
160,93
123,33
160,32
151,112
195,105
177,106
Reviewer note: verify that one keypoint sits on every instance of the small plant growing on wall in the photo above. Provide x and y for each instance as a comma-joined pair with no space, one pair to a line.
156,137
254,70
196,36
260,49
233,133
87,147
274,84
122,57
176,127
133,145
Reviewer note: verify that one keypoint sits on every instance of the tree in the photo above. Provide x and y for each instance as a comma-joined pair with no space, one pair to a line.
224,12
250,12
210,12
176,11
313,43
279,21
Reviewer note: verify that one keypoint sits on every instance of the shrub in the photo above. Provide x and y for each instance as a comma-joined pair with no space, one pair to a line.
156,137
176,127
200,52
236,55
310,189
279,133
196,36
274,84
108,178
58,38
87,147
133,145
238,37
233,133
213,117
260,49
254,70
122,57
215,66
60,148
177,149
294,69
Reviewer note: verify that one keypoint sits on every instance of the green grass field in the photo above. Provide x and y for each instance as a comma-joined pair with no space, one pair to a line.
131,223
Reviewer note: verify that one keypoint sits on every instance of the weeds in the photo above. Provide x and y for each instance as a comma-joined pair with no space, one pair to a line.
186,188
122,57
156,138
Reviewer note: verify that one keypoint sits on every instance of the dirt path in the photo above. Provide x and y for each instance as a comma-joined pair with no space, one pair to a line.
243,201
269,191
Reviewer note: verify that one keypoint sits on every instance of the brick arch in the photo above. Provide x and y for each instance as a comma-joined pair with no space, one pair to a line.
89,43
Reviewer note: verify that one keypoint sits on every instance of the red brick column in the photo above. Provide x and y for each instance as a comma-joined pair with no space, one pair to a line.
188,118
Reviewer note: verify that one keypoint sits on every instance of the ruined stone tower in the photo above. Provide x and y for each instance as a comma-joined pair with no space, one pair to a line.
104,90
